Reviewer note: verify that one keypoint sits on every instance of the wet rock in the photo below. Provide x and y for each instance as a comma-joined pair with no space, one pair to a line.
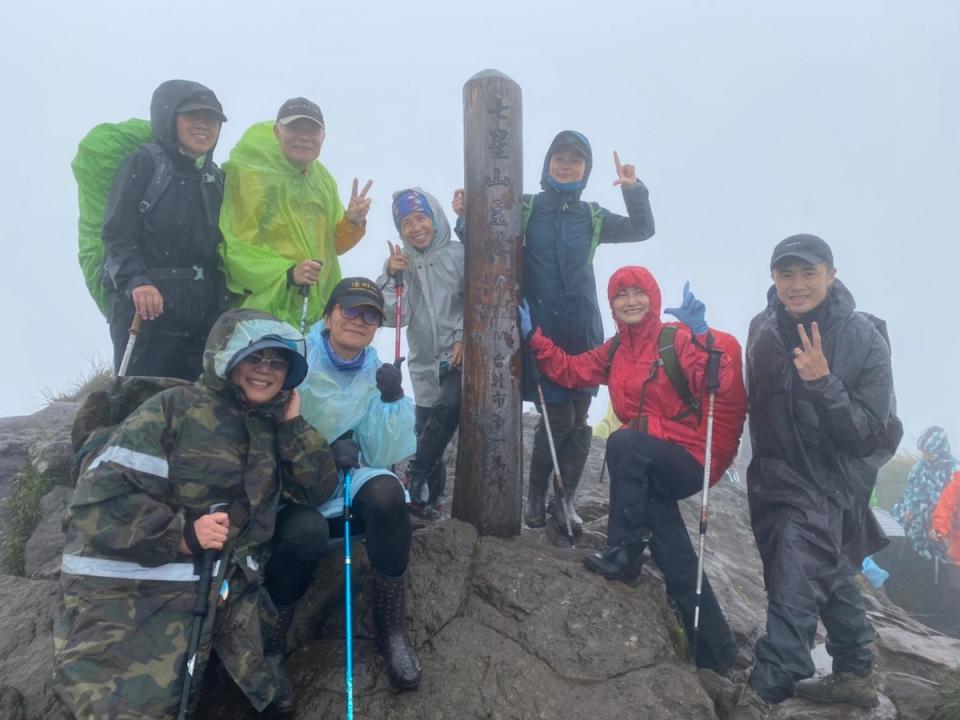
45,547
27,609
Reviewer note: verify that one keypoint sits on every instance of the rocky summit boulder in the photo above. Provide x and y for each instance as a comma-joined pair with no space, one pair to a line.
512,629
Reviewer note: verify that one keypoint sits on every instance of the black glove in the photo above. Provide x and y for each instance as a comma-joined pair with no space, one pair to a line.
346,453
389,381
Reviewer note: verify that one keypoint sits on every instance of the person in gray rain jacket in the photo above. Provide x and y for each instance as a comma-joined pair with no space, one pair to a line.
431,264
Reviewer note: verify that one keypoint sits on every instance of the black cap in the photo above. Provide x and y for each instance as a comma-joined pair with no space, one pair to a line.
203,101
808,248
354,292
298,107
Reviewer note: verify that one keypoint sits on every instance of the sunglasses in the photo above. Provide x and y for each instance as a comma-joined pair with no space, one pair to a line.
370,317
273,363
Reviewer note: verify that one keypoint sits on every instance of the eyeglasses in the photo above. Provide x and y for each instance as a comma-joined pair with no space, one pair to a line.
273,363
370,317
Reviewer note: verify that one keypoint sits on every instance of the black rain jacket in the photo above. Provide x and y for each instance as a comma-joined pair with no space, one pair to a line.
180,231
817,446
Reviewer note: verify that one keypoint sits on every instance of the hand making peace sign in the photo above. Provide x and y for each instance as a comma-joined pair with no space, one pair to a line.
359,203
626,174
810,361
398,261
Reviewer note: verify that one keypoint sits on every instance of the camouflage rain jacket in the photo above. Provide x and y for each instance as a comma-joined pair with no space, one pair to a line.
121,636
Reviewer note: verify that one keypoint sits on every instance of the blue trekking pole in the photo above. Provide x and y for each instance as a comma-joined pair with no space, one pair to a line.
346,577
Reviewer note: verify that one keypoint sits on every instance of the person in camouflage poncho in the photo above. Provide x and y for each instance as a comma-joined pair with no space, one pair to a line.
140,511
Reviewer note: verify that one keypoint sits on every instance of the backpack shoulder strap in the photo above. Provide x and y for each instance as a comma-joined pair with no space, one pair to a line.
162,175
596,215
611,351
671,366
527,211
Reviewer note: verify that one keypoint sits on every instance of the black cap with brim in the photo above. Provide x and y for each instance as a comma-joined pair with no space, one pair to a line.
298,363
355,292
191,105
808,248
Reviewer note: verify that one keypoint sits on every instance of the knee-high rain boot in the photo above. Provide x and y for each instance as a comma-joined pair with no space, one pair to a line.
390,618
541,469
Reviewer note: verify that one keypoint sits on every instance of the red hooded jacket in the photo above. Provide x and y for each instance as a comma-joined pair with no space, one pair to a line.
630,369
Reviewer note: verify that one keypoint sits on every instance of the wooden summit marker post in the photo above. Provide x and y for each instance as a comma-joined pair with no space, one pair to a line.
489,459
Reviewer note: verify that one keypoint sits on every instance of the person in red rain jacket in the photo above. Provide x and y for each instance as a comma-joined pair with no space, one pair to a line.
656,459
945,520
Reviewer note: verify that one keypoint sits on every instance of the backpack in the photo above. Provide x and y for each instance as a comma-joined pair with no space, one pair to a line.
728,407
893,430
103,410
98,156
596,217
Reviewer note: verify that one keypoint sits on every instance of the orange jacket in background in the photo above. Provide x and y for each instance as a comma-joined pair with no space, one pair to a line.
946,517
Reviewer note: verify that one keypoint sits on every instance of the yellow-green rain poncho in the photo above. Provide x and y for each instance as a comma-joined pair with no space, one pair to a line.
274,216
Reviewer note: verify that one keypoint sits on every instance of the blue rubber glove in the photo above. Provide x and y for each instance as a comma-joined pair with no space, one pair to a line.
526,325
691,312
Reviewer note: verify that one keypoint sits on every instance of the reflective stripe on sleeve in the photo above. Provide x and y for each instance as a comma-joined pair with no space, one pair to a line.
101,567
141,462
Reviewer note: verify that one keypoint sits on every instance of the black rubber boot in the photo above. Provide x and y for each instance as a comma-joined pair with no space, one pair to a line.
390,618
618,562
275,651
541,469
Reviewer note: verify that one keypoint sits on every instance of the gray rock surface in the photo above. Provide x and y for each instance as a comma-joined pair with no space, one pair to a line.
27,609
49,430
43,550
505,628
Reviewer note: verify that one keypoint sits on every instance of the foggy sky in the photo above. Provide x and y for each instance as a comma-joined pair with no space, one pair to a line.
748,121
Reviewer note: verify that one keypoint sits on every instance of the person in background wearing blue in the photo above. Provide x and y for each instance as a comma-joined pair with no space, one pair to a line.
926,481
358,404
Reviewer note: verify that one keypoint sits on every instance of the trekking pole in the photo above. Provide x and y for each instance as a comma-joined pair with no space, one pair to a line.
398,283
557,480
603,468
713,383
199,614
347,593
305,307
131,341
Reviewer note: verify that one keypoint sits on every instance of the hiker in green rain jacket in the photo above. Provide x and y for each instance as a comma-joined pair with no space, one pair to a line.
282,220
140,518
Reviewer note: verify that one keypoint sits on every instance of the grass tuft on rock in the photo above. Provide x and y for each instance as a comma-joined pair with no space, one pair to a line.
950,689
97,376
27,488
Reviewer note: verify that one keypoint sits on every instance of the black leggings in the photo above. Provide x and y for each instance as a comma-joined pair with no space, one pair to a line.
302,535
647,478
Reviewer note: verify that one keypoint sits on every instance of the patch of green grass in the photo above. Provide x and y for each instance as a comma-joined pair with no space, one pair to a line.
27,488
676,633
950,689
97,375
892,479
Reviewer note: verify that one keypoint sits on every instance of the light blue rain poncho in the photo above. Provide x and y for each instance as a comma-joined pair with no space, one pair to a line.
336,400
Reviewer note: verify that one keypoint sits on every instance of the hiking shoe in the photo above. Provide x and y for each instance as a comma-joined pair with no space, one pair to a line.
840,687
616,563
424,511
750,706
559,516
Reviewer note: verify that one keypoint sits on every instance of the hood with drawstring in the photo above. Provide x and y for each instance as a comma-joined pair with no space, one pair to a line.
168,99
577,141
